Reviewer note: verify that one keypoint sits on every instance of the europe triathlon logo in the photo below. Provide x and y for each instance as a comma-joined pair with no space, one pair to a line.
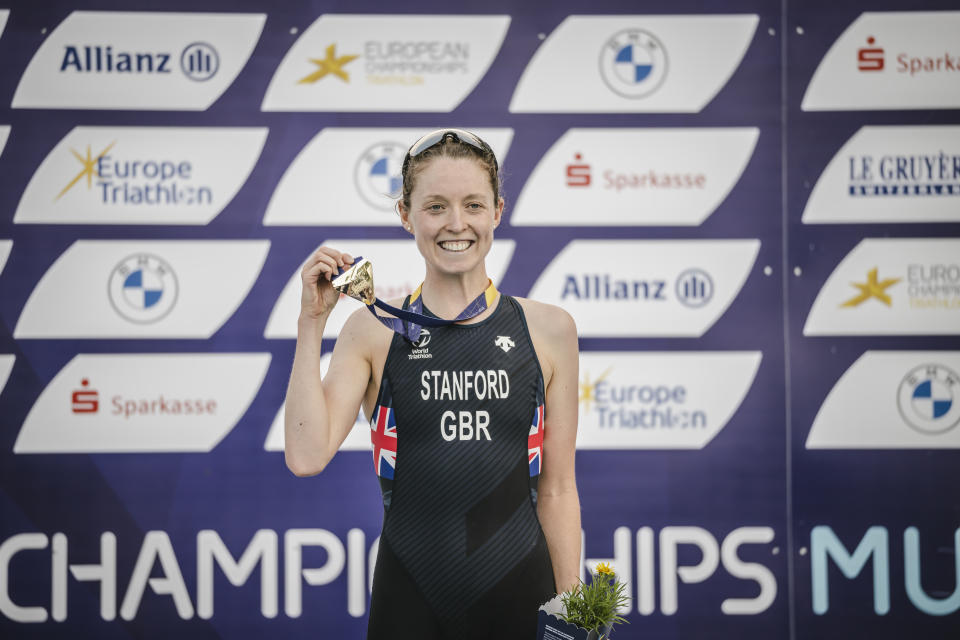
125,178
377,174
143,288
613,404
633,63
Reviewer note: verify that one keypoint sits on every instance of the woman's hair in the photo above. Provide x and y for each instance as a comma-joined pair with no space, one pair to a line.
449,148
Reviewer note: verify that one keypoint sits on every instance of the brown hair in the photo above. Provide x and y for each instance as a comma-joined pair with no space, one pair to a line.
449,148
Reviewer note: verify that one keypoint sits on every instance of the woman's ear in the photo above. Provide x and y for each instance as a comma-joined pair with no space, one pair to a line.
497,213
404,216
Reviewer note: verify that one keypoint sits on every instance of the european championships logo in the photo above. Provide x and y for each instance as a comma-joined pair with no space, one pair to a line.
143,288
633,63
330,65
872,288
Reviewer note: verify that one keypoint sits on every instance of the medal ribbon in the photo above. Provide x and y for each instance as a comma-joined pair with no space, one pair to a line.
409,322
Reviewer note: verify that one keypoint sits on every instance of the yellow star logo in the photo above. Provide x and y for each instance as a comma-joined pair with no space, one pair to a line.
89,167
588,389
872,288
330,64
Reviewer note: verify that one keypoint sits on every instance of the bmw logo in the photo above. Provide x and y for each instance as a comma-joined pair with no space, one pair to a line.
929,398
633,63
143,288
377,174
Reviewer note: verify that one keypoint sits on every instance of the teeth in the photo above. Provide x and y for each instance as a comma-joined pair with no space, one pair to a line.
455,245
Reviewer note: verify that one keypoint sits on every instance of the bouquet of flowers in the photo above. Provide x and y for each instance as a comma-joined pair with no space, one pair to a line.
589,611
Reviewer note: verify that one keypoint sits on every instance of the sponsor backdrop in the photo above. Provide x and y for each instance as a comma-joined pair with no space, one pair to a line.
753,216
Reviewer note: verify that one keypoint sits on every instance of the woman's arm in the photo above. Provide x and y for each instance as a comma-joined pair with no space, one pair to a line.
558,505
319,413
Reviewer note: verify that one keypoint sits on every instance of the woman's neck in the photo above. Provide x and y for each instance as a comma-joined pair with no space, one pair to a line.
448,295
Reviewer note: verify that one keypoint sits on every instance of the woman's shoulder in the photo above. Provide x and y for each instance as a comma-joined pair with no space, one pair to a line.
549,320
362,324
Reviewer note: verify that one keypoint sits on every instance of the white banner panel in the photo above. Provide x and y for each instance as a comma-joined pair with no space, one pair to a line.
892,400
138,60
357,440
675,400
644,288
141,175
627,177
128,403
6,366
386,63
6,246
142,289
634,64
351,176
891,174
398,271
890,60
891,286
4,135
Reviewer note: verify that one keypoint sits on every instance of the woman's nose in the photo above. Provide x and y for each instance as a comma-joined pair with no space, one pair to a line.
455,220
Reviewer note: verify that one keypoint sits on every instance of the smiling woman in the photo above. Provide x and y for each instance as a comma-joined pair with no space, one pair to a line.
486,487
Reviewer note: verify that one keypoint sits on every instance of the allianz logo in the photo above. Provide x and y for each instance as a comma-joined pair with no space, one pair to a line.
198,61
693,288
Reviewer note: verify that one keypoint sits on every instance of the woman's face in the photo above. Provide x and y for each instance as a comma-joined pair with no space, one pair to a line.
452,214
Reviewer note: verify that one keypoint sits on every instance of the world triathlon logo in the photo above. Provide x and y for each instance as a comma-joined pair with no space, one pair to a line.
377,174
633,63
929,399
143,288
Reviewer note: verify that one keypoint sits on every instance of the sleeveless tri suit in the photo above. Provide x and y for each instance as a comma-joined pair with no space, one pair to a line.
457,437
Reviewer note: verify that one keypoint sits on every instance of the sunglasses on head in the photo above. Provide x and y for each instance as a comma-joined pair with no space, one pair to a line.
439,136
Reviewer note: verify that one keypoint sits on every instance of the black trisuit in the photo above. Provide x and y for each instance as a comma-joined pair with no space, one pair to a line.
458,444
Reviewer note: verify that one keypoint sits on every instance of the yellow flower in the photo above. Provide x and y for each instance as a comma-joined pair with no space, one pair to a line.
604,569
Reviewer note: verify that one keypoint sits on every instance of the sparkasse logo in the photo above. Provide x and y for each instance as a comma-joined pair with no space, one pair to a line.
128,403
634,177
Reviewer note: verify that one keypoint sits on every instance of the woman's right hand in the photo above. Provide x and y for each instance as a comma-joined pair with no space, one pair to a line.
319,297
